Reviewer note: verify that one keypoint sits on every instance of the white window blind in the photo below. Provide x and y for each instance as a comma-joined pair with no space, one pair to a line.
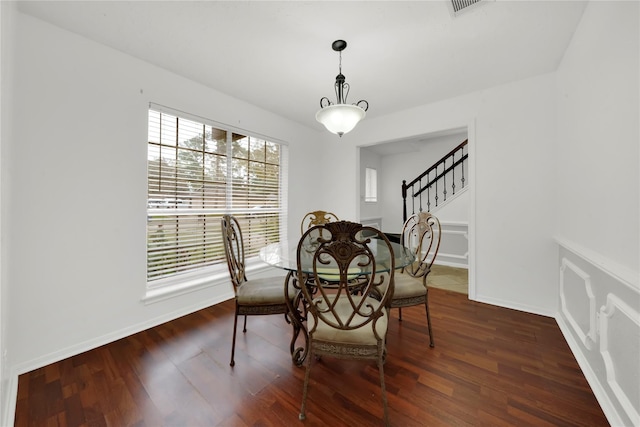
371,185
197,172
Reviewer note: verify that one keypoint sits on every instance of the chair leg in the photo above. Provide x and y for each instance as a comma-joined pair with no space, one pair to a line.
233,342
303,408
384,391
426,306
400,313
244,329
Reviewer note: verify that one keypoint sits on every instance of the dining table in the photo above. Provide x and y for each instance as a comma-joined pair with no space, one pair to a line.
283,255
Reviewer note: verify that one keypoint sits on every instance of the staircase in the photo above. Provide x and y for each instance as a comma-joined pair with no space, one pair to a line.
436,184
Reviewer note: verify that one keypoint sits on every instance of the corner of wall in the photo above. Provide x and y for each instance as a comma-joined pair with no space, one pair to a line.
8,379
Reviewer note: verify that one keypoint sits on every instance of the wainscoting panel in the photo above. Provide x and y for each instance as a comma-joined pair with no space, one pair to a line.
620,347
599,316
454,245
577,302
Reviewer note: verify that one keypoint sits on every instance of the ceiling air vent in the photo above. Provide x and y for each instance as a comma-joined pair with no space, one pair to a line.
460,5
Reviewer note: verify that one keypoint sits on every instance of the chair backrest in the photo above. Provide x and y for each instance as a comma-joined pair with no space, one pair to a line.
421,233
347,300
233,249
316,218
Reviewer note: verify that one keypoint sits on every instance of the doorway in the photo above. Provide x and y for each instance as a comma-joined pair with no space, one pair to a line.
406,159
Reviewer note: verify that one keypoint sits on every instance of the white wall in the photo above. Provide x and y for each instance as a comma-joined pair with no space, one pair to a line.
598,134
340,178
4,375
76,201
8,382
598,204
512,229
457,209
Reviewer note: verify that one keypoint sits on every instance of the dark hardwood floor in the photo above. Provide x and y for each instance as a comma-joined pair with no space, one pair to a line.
490,367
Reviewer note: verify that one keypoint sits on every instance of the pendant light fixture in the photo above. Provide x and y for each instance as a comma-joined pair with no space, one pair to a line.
341,117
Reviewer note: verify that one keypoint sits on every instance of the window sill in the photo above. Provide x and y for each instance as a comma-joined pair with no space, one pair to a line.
187,284
162,293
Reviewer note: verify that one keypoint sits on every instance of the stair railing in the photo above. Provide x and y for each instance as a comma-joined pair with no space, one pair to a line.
436,180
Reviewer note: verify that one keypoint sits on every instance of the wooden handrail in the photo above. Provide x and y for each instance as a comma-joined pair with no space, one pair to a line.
441,175
438,163
450,168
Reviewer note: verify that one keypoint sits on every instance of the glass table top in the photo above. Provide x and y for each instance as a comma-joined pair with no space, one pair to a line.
283,255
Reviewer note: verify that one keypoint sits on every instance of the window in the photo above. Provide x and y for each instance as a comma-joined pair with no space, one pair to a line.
197,172
371,185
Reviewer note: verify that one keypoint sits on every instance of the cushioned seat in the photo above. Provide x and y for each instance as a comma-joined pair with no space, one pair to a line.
252,297
263,291
408,287
343,310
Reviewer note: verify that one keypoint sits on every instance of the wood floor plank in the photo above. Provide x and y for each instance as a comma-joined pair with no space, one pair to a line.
491,367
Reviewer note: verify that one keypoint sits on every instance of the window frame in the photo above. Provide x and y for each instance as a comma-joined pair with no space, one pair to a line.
204,276
370,185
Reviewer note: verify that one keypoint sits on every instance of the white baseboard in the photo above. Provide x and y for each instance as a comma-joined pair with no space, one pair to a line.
449,263
10,398
510,304
81,347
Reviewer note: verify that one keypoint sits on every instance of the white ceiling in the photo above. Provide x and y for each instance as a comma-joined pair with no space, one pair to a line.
278,56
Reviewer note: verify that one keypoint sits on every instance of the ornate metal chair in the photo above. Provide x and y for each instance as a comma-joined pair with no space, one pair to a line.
253,297
421,233
340,322
316,218
312,219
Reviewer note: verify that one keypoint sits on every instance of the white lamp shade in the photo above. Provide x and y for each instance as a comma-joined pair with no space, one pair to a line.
340,118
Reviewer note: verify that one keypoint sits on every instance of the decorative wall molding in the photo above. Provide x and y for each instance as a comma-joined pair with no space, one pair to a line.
619,347
599,316
578,315
624,275
454,246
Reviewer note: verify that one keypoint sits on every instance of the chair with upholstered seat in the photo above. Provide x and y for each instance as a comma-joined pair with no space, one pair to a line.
340,322
421,234
316,218
261,296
